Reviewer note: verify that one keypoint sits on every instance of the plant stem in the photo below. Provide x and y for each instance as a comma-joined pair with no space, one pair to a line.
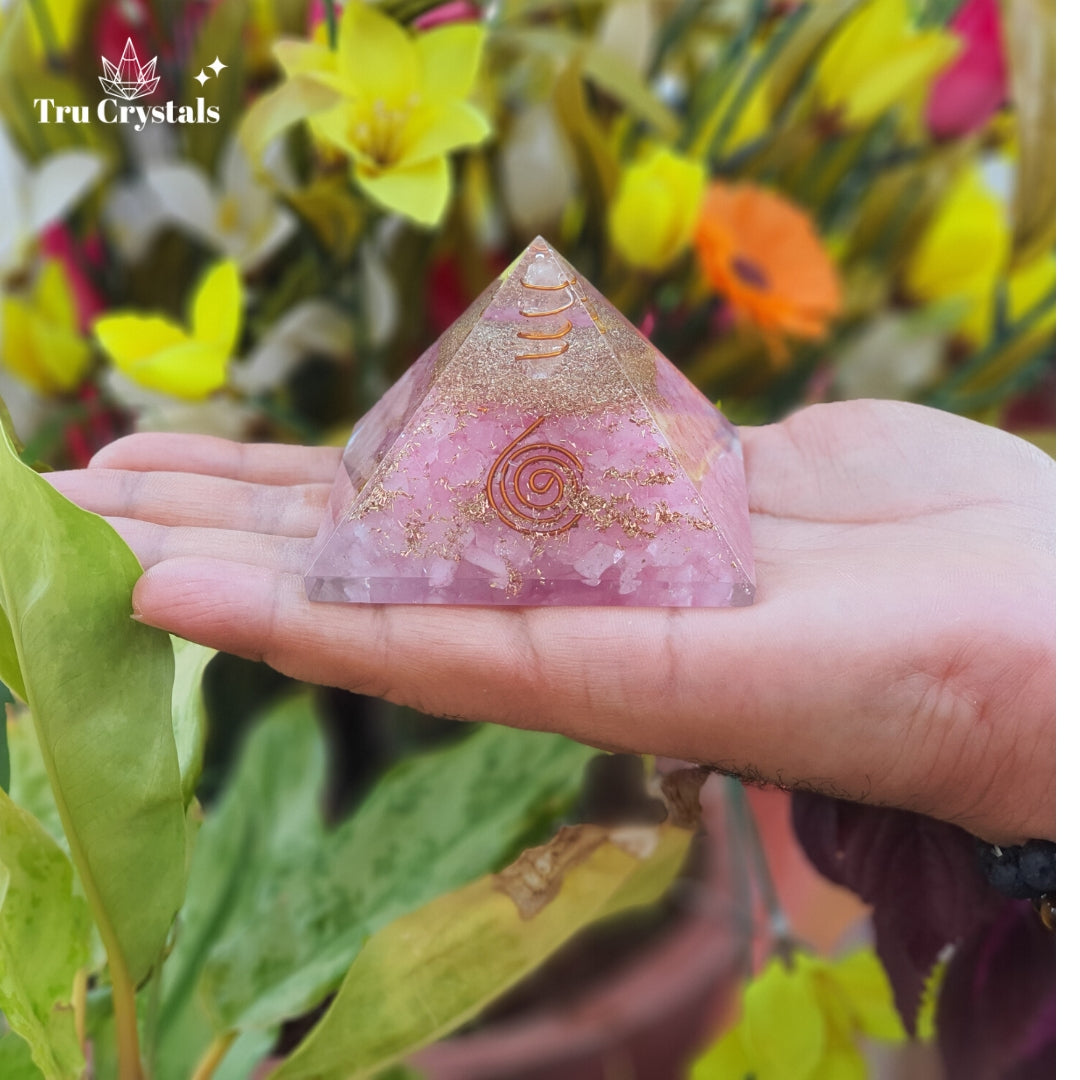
215,1054
331,22
743,898
129,1064
779,926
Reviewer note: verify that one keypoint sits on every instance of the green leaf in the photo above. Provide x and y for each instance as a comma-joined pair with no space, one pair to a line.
98,687
784,1025
29,781
6,699
305,897
867,993
220,35
16,1061
9,659
44,940
430,971
1030,32
615,76
188,710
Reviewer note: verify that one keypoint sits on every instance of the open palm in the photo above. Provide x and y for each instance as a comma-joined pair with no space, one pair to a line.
901,648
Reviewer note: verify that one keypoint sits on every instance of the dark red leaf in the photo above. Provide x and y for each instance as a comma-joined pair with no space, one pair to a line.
996,1015
920,876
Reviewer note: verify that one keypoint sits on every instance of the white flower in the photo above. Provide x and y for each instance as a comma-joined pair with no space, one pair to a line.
237,216
33,197
218,415
313,327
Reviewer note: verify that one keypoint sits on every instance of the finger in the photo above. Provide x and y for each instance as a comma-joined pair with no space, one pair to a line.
210,456
170,498
154,543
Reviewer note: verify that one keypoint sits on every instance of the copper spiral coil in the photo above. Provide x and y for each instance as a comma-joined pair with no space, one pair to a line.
543,355
528,484
540,335
550,288
554,311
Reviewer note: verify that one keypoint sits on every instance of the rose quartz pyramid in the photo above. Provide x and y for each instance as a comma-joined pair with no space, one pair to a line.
540,452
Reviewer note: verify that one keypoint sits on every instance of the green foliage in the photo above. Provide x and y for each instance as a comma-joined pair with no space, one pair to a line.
29,781
802,1019
5,753
188,710
16,1061
279,903
98,688
430,971
44,940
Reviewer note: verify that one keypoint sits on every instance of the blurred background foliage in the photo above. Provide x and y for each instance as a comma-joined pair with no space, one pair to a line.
797,201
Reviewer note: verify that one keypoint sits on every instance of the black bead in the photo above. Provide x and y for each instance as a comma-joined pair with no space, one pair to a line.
1038,865
1002,869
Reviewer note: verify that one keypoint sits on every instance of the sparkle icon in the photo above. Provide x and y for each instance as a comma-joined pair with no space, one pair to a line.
129,79
202,78
217,66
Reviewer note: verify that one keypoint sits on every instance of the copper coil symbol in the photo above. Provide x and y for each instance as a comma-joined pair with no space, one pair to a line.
530,485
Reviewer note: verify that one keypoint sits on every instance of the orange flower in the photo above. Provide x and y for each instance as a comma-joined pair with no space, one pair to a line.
763,254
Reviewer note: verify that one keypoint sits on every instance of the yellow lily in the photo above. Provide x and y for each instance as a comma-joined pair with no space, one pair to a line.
963,254
41,342
397,106
655,209
879,59
963,250
1025,287
805,1022
186,362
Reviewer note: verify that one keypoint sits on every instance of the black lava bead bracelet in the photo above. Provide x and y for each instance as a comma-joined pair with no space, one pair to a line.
1024,872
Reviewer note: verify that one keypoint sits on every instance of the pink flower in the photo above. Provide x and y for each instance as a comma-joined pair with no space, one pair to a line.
454,11
972,88
79,263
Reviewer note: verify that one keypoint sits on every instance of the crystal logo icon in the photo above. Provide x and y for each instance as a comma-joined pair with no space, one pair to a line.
129,79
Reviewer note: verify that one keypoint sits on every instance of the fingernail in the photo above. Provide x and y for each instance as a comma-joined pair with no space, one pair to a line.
136,614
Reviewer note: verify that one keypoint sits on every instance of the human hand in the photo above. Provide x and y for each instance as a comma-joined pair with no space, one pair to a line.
900,650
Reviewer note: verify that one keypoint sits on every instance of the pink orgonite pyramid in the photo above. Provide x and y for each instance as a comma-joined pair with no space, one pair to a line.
540,452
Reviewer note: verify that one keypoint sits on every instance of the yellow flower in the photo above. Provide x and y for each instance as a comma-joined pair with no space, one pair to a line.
803,1023
41,342
879,59
186,362
654,211
962,256
397,105
1025,288
48,26
963,250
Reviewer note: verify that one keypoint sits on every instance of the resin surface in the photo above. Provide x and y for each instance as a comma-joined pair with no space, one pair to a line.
542,451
